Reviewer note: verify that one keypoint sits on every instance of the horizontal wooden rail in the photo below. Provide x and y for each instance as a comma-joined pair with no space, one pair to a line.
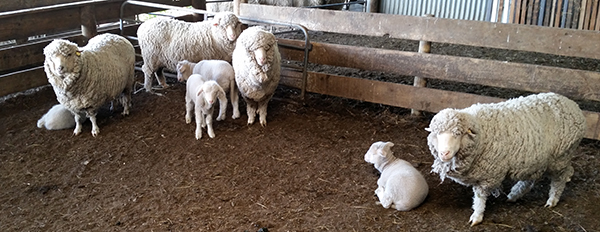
568,42
399,95
578,84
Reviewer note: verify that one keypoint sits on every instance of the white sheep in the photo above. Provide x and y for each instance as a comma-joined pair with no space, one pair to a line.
86,78
57,118
400,185
164,42
200,98
216,70
257,66
520,139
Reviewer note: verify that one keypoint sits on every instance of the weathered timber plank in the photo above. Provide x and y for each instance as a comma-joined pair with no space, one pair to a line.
22,81
557,41
399,95
10,5
577,84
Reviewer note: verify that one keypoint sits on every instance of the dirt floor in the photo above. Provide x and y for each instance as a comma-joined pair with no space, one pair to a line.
304,171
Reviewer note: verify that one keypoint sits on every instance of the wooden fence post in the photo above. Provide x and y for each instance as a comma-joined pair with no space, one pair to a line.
201,5
87,16
424,47
373,6
236,6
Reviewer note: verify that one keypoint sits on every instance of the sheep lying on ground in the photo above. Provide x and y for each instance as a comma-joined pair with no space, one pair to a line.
520,139
215,70
86,78
200,97
57,118
256,62
400,184
164,42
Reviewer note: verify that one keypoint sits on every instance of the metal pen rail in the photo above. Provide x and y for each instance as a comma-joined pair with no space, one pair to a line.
307,45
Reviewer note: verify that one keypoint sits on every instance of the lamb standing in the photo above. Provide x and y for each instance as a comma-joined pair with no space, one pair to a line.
164,42
57,118
400,184
520,139
216,70
86,78
199,98
256,62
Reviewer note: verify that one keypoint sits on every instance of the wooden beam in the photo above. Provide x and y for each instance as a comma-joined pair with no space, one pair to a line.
468,32
399,95
535,78
21,81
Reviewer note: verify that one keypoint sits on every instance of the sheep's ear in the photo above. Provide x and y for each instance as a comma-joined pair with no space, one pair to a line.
199,92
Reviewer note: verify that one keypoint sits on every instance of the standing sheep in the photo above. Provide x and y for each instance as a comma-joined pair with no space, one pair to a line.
200,97
256,62
164,42
215,70
400,184
520,139
57,118
86,78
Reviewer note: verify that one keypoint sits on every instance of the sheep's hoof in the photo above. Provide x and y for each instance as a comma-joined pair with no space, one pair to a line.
211,134
476,219
551,203
95,133
236,116
220,118
198,136
188,120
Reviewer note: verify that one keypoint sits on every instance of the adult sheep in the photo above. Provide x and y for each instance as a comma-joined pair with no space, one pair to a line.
257,66
520,139
86,78
164,42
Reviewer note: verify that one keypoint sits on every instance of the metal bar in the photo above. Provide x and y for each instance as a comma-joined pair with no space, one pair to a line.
51,7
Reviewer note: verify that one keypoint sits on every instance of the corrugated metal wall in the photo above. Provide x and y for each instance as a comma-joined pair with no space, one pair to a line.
453,9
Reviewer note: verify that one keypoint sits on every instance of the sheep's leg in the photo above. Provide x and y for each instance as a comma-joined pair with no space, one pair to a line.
78,122
148,71
234,96
384,200
222,106
519,189
262,111
250,110
557,185
160,77
95,128
199,121
126,99
189,108
209,127
481,195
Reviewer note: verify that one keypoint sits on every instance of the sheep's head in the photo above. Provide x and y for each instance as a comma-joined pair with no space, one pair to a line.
379,153
451,131
211,91
62,57
228,23
184,70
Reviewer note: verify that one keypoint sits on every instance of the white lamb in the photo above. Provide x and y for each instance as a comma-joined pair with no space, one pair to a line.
520,139
257,66
86,78
164,42
400,184
200,97
57,118
215,70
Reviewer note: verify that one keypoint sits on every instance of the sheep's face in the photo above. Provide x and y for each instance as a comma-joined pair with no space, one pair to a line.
62,56
448,144
260,55
230,23
378,153
183,71
211,90
449,130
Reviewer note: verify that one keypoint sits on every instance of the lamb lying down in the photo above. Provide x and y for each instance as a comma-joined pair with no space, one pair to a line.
400,184
57,118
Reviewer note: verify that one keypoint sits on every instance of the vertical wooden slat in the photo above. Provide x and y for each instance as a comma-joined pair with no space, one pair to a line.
558,13
88,22
535,8
424,47
518,4
593,15
201,5
524,9
588,13
569,15
512,11
597,27
576,13
552,13
500,10
582,14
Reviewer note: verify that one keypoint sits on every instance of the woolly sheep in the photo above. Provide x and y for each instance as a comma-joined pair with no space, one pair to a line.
216,70
400,184
520,139
256,62
200,97
57,118
164,42
86,78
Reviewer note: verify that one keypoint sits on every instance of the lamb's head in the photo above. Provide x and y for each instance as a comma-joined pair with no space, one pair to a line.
227,25
450,131
62,58
211,91
184,70
379,154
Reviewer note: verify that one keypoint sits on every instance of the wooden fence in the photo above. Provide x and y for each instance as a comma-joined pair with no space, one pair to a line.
578,84
576,14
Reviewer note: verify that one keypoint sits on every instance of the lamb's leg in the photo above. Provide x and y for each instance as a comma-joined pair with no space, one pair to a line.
95,128
557,185
479,200
126,99
519,189
262,111
199,121
222,106
234,96
384,200
189,108
250,110
209,127
78,122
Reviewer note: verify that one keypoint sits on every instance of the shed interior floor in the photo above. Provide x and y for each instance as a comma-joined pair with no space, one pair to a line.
304,171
